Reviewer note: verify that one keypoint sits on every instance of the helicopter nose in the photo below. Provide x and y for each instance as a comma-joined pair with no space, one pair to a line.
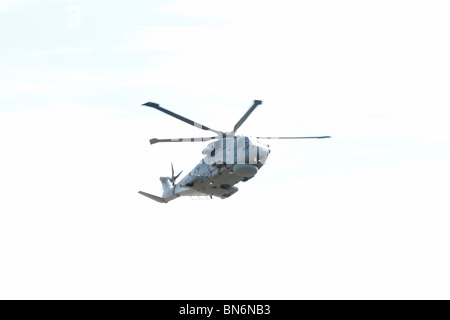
263,154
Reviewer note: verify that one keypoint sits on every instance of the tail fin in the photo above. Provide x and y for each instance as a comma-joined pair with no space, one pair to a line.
161,200
168,194
167,188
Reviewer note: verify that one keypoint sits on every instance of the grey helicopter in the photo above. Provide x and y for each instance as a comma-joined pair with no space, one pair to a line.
228,160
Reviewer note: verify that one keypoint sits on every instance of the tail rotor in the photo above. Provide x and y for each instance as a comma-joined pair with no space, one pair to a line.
174,178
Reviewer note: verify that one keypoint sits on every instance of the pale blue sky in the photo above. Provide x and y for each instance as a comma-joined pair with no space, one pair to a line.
362,215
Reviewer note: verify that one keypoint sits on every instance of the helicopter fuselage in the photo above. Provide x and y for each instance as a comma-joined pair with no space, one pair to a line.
227,162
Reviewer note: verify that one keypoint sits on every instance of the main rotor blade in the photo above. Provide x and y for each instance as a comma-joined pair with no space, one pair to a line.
155,140
322,137
247,114
173,114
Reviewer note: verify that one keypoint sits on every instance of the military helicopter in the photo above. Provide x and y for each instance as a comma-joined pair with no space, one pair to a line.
228,160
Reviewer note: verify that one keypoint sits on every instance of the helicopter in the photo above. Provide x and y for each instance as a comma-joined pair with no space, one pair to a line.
228,160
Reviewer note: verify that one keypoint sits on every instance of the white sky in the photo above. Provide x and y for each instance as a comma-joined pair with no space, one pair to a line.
362,215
